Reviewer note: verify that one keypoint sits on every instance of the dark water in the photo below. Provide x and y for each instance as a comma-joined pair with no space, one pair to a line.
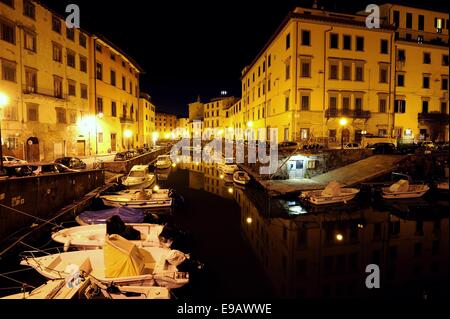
253,247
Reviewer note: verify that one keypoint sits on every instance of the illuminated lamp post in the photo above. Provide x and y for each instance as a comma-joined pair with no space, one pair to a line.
342,123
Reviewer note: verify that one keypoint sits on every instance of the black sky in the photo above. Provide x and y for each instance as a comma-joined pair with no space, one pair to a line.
190,48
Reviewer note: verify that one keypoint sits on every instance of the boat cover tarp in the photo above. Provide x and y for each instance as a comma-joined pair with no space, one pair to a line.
128,215
122,258
400,186
333,189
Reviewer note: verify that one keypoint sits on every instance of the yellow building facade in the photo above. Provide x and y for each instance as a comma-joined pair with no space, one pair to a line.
165,125
45,75
146,120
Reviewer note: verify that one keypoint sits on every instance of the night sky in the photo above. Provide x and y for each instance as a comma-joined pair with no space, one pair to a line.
190,48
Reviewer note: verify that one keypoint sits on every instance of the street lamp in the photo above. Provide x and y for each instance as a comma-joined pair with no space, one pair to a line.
342,123
4,100
128,134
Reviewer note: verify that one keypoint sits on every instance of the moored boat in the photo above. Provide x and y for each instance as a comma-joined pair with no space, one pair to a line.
241,177
332,194
139,177
120,262
141,199
127,214
163,161
403,190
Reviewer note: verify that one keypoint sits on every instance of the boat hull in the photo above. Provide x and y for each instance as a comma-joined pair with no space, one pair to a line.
413,193
316,198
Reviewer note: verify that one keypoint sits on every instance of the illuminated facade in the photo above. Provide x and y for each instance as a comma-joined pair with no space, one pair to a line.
45,74
146,120
165,125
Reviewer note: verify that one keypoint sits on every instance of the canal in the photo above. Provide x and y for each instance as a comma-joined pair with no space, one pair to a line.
255,248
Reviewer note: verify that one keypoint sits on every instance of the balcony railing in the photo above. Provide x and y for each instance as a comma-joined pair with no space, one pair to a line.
126,120
436,117
42,92
356,114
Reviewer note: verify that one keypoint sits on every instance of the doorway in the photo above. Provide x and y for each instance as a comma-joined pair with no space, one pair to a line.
113,142
32,150
345,136
81,148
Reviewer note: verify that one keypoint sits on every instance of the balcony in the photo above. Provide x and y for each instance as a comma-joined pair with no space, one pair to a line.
434,117
26,89
126,120
356,114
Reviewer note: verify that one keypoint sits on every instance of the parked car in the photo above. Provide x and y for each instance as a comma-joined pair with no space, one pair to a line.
441,146
50,168
407,148
18,170
12,160
123,156
427,145
288,145
352,146
71,162
383,148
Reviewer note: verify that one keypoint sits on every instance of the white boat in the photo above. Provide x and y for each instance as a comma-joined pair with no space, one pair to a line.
442,186
163,161
144,199
241,177
120,262
139,177
402,189
227,167
93,236
332,194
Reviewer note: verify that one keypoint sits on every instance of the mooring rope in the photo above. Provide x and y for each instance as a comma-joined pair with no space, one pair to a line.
24,284
29,215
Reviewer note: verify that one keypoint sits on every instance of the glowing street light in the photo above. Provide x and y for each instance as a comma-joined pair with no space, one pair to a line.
250,124
230,190
4,99
249,220
339,237
342,122
128,134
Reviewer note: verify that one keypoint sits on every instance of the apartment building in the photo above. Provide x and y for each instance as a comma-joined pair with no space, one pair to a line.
45,75
165,125
216,114
146,120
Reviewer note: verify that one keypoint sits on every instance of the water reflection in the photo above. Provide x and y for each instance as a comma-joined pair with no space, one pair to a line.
325,253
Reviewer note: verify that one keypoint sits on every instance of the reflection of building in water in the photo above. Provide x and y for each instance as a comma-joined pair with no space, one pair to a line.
203,176
325,254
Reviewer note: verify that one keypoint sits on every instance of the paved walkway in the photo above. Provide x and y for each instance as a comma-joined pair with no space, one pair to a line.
361,171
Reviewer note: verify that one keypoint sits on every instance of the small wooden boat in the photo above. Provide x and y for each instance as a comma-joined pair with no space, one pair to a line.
443,186
163,161
93,236
142,199
241,177
413,191
120,262
139,178
227,168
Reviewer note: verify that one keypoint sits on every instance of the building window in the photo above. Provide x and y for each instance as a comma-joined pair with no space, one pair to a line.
113,109
346,105
421,22
33,112
445,59
113,78
359,72
334,70
401,55
70,58
347,71
83,91
305,71
7,32
30,80
334,41
396,18
444,84
443,107
347,45
60,115
384,47
401,80
269,60
8,71
409,20
57,53
288,70
82,40
99,71
359,43
332,135
304,101
29,42
426,81
438,24
70,33
426,58
332,104
382,132
57,87
83,64
382,104
124,85
98,47
99,105
288,41
400,106
383,73
425,106
306,37
304,134
358,104
286,103
72,90
56,24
